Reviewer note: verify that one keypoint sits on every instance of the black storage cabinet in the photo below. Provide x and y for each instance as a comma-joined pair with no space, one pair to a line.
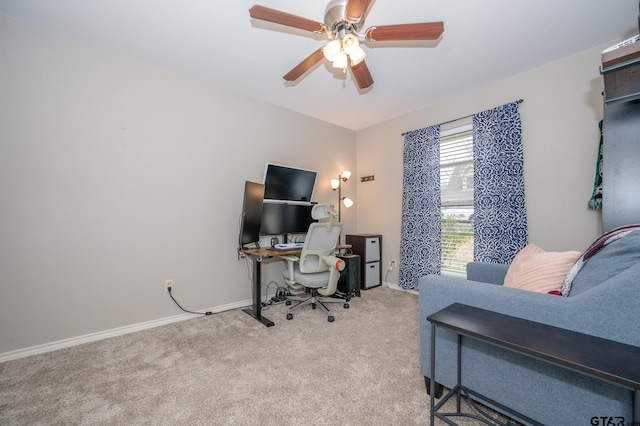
369,248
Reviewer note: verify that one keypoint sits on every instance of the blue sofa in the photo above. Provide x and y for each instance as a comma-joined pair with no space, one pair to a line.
604,301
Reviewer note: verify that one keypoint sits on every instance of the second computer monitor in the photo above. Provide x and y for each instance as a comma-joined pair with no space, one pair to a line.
283,218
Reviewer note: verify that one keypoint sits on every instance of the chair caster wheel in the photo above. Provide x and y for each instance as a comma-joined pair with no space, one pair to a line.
348,298
346,306
288,303
313,306
331,318
289,316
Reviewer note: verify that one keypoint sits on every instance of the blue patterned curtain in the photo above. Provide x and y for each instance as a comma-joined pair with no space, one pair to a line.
420,233
500,227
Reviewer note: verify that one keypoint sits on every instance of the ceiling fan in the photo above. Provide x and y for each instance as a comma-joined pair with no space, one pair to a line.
343,21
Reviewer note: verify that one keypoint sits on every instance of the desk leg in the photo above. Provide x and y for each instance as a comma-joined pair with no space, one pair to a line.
255,310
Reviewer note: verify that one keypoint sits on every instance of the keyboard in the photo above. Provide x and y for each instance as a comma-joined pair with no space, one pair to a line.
288,246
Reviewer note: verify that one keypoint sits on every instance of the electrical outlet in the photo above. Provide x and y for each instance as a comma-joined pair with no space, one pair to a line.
168,284
390,267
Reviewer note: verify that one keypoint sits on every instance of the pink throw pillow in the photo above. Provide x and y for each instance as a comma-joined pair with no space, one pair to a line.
534,269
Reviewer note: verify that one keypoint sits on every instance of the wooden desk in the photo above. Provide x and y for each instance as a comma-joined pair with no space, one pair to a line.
605,359
257,255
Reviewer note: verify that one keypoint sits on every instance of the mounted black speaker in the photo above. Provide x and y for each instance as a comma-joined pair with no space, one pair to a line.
350,279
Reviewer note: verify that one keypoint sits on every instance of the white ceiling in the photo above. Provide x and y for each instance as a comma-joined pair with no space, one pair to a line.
483,41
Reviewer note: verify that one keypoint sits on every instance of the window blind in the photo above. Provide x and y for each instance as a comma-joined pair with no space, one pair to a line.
456,181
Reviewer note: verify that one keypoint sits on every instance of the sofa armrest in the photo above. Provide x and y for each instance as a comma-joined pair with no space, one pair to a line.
437,292
606,310
485,272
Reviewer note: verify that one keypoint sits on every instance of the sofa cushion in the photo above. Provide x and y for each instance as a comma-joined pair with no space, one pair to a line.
534,269
611,260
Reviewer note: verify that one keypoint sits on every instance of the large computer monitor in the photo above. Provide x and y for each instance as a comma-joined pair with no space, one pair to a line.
251,217
288,183
285,218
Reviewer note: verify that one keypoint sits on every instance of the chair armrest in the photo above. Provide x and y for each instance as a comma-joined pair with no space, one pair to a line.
485,272
335,266
290,260
334,262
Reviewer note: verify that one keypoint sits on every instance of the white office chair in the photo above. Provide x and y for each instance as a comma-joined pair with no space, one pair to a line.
317,268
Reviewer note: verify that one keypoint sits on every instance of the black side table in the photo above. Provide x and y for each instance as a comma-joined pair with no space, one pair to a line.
605,359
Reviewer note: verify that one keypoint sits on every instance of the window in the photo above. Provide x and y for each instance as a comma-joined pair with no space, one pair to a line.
456,200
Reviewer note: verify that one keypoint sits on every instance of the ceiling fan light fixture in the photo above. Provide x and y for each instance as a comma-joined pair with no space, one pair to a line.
357,55
332,50
351,47
341,60
349,43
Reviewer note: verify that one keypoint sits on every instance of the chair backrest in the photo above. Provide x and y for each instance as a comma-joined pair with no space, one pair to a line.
321,240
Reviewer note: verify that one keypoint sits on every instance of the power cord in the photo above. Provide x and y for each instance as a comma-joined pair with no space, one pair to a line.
185,310
385,283
279,296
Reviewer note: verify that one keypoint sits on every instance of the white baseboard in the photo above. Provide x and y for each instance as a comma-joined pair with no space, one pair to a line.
393,286
92,337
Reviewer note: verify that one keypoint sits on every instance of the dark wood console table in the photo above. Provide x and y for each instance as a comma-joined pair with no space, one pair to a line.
605,359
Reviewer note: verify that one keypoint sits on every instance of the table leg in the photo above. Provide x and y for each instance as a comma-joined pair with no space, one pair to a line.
255,310
459,340
636,406
432,383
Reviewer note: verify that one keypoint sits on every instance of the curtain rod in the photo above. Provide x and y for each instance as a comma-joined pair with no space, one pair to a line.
519,101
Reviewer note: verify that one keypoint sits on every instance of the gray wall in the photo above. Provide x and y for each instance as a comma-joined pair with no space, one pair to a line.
116,174
561,109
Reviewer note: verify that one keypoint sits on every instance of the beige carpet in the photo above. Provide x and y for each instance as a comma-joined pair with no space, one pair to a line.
362,369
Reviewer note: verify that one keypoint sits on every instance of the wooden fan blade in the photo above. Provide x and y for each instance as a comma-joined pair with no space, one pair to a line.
283,18
304,66
355,10
362,75
419,31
